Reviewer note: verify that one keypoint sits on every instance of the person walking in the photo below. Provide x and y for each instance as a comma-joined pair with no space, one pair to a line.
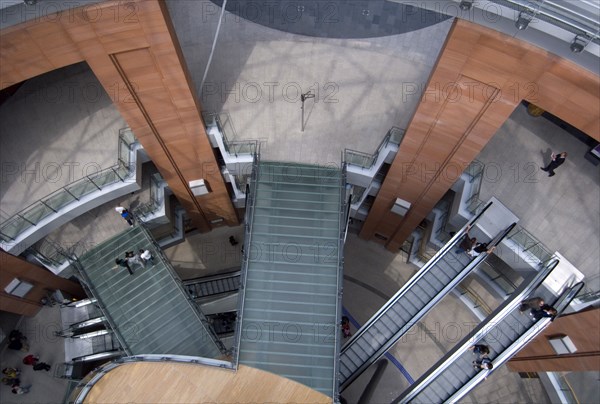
133,258
123,263
557,160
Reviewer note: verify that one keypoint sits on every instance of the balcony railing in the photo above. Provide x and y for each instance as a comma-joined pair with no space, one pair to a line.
228,133
366,160
157,184
51,204
530,244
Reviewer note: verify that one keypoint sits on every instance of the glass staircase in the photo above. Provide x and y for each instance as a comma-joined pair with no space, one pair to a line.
149,311
291,302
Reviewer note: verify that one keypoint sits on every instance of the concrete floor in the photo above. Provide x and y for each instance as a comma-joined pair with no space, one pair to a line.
56,129
39,330
363,86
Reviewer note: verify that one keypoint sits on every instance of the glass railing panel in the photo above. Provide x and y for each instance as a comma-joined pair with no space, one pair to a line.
82,187
36,212
14,226
126,134
396,135
359,159
226,127
475,169
155,185
59,199
105,177
530,244
242,148
122,171
357,193
123,152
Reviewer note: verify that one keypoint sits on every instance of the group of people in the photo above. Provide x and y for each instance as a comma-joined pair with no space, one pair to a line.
483,361
11,375
141,258
471,247
539,308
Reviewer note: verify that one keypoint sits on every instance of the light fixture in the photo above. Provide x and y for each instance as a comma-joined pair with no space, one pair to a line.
525,17
579,43
465,5
30,2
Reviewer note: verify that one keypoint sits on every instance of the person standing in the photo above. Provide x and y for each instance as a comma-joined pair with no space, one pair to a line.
534,303
146,256
125,214
480,350
467,242
557,160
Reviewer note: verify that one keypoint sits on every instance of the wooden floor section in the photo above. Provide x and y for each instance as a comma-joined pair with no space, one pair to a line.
152,382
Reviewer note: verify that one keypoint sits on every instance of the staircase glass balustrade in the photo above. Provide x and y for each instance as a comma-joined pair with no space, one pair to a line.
366,160
360,159
530,244
251,187
156,197
51,204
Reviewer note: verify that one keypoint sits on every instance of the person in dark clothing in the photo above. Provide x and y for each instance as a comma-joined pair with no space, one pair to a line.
557,160
41,366
123,263
17,341
480,350
467,242
544,311
535,303
480,248
483,363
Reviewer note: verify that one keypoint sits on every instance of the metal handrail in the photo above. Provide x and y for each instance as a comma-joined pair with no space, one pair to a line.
422,272
372,158
422,311
87,284
525,289
175,278
344,216
560,304
252,188
48,209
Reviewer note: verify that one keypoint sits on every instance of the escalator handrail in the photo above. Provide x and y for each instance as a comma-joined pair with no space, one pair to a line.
476,334
414,279
537,327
